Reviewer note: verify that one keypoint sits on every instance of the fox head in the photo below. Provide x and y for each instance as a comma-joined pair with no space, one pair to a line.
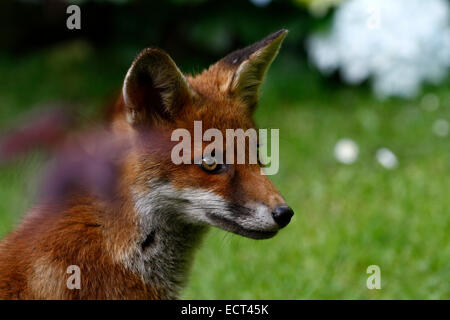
157,98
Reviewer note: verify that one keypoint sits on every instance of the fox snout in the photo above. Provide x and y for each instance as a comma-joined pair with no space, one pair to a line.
263,222
282,215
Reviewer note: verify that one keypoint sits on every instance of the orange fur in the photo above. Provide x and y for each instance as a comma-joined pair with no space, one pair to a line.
100,235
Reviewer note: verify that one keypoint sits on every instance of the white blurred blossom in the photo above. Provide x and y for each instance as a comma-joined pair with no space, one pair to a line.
397,43
430,102
386,158
261,3
441,127
346,151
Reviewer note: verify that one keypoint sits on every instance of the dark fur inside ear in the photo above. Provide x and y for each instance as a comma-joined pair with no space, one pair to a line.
154,88
249,66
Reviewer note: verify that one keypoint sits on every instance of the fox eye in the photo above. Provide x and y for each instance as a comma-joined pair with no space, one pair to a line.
209,164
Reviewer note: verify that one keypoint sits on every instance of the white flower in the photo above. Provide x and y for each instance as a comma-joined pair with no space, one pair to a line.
440,127
430,102
399,44
386,158
346,151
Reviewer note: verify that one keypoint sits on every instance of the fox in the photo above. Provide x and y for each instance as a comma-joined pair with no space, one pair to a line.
140,242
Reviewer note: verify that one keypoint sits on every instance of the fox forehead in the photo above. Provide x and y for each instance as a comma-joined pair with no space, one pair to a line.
214,114
215,108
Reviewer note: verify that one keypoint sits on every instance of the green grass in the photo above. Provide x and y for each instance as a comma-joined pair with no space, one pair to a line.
347,217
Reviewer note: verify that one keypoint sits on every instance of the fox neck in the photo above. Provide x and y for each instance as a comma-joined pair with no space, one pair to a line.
163,251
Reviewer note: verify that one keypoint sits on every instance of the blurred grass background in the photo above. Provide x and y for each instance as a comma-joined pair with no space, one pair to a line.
347,216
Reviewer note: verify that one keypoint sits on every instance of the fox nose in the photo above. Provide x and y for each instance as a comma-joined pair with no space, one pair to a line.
282,215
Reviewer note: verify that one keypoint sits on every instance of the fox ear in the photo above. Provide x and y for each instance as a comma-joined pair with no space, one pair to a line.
248,67
154,88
